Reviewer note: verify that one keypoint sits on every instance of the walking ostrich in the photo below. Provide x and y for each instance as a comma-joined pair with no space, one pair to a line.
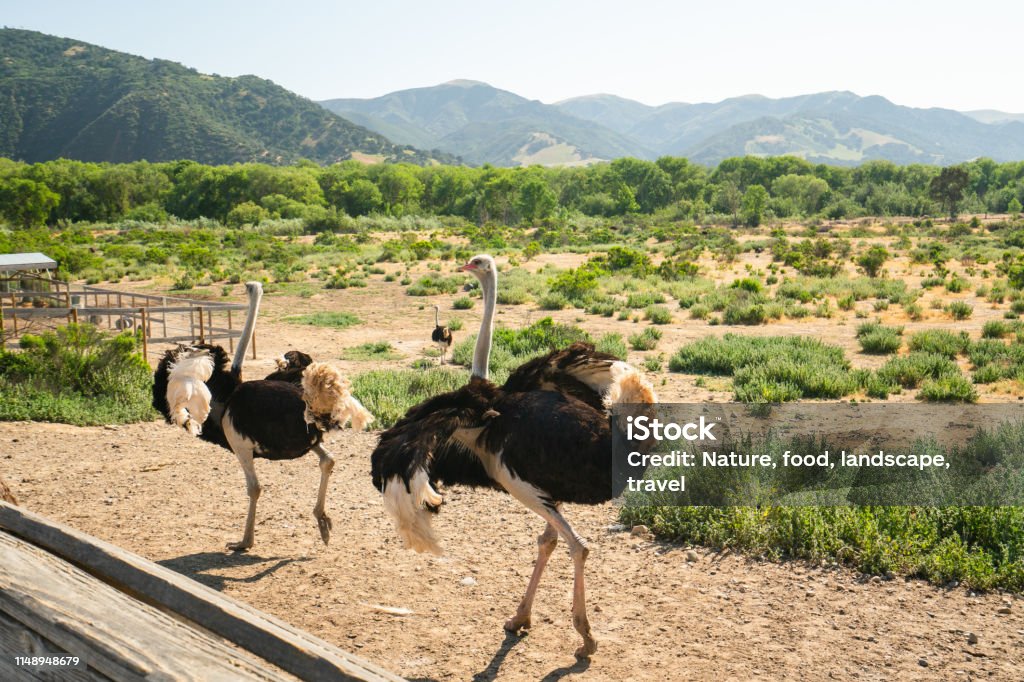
274,419
442,336
543,437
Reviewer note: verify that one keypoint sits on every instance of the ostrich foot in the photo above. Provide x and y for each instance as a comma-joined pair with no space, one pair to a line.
323,521
518,622
588,648
240,546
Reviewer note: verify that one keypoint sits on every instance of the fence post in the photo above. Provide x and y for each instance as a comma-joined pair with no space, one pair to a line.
202,328
231,338
74,315
145,344
14,313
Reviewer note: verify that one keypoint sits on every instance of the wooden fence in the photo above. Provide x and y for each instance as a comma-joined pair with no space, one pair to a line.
29,304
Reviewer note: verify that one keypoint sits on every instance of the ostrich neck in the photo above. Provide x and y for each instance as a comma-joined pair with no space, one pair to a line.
482,353
437,322
247,330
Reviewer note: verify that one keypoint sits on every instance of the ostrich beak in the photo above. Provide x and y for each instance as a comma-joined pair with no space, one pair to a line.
468,267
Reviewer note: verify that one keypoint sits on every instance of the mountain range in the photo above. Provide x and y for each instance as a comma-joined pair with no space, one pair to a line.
484,124
61,97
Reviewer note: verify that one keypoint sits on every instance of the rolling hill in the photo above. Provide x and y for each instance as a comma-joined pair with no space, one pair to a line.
828,127
484,124
61,97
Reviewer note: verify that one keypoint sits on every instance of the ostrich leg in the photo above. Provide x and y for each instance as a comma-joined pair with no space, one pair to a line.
326,466
252,487
532,499
546,542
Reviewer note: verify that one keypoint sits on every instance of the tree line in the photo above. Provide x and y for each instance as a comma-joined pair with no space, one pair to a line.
743,190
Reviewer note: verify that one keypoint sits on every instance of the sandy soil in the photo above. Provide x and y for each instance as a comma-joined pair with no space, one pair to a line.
656,615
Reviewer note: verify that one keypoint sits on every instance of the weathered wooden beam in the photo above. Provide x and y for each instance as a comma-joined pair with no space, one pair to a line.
291,649
111,632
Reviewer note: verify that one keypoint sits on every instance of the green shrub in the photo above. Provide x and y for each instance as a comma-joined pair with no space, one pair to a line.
940,341
645,340
948,388
658,314
388,394
745,313
78,375
909,371
613,345
980,547
374,350
463,303
553,301
879,339
433,285
959,310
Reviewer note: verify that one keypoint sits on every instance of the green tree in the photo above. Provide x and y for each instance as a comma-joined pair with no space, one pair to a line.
873,259
1014,206
755,200
948,188
536,200
26,203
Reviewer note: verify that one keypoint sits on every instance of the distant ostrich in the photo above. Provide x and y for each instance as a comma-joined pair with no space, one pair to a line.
442,336
276,419
544,437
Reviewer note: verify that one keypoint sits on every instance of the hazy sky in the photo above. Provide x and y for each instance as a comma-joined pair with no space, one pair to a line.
960,55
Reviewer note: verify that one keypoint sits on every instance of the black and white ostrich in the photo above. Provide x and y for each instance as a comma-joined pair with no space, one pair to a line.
275,419
441,335
543,437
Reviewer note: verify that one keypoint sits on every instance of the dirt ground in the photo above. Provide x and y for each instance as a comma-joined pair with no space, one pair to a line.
656,615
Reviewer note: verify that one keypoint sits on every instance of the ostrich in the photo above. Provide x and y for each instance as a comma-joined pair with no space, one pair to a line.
543,437
442,336
275,419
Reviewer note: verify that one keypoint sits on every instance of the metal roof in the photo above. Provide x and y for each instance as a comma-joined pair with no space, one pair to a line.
17,262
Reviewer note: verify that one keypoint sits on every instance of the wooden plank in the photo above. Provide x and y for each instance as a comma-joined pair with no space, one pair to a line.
18,640
114,634
291,649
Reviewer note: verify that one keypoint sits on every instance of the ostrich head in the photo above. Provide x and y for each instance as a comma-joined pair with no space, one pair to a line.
480,266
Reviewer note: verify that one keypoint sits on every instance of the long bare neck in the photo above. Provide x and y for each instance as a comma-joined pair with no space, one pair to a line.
255,294
437,322
482,353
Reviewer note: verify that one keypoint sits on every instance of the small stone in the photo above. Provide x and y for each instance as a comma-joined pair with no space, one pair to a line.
692,556
972,638
1004,610
923,662
639,530
468,581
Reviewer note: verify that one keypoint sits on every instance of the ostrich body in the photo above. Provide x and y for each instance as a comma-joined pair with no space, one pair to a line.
273,419
441,335
544,437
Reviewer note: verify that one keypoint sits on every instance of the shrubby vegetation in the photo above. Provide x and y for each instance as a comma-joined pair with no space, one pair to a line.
76,375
